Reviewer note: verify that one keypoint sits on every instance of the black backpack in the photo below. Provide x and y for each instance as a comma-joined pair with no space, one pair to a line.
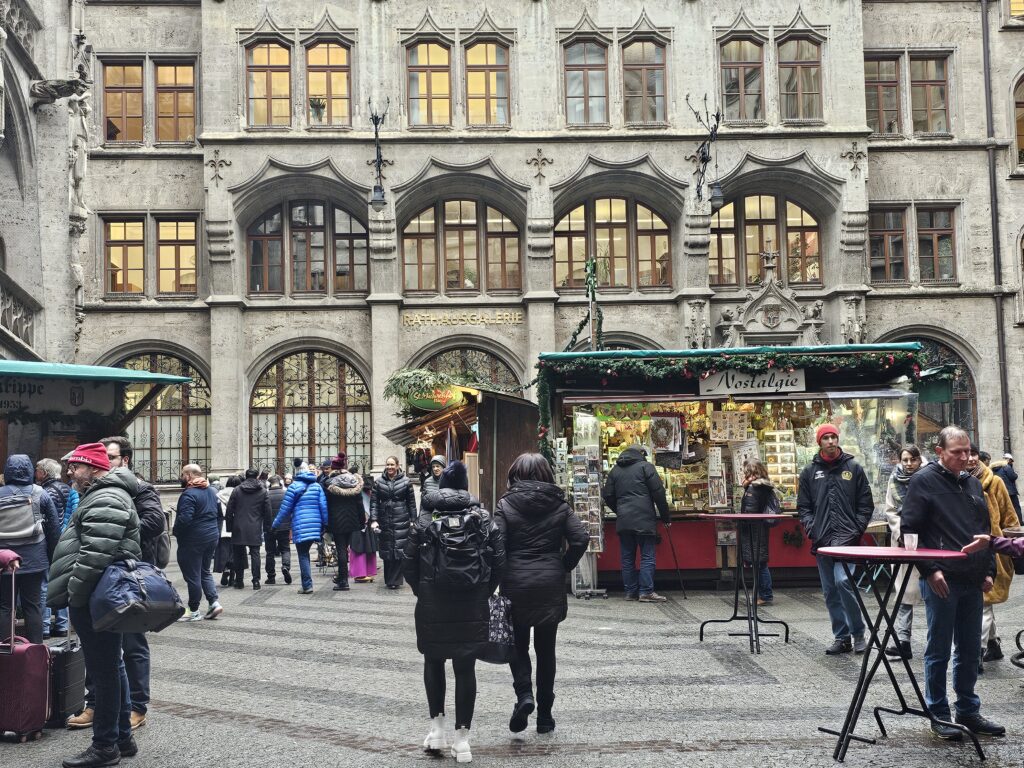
458,550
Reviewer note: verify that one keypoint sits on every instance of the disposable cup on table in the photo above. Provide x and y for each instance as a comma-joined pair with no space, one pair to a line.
910,541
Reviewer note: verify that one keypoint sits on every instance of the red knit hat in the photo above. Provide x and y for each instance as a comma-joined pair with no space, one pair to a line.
93,454
340,461
825,429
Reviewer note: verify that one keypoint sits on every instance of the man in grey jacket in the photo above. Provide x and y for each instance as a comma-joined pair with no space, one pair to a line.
632,491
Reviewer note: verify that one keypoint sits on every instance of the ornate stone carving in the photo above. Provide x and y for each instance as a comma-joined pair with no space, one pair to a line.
538,161
16,16
220,240
698,329
854,155
49,91
17,310
854,325
3,111
217,164
79,109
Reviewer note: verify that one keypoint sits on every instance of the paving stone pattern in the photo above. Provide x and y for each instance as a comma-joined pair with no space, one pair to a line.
334,679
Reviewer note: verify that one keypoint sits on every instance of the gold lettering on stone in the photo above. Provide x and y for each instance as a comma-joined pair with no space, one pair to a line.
433,319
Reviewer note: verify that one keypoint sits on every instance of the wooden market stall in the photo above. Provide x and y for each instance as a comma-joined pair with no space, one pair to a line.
701,412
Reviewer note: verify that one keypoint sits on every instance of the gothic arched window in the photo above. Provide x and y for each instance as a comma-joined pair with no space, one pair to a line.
474,365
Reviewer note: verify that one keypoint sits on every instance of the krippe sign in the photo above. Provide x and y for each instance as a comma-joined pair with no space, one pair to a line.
739,383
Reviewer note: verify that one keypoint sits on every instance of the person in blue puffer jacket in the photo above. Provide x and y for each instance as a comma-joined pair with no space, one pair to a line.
305,508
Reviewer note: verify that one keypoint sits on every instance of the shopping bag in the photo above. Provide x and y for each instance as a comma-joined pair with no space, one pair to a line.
500,637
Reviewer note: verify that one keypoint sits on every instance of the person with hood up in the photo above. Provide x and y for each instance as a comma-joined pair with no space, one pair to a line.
392,511
430,482
910,462
278,542
451,624
304,507
248,510
544,541
103,529
835,506
344,512
633,491
758,499
1001,515
35,549
197,531
48,477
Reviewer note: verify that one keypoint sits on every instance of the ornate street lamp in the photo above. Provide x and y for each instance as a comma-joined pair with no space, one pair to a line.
702,157
378,201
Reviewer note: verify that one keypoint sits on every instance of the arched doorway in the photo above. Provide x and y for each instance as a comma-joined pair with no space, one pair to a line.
474,365
174,429
308,405
961,410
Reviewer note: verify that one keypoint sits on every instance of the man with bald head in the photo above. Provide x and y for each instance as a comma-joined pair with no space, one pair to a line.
197,529
945,506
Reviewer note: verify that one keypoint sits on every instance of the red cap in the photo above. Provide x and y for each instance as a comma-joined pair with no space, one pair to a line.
825,429
93,454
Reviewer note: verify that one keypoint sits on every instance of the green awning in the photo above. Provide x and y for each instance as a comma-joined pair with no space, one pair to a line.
821,349
65,371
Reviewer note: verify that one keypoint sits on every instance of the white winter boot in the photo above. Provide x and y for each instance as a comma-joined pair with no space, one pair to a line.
436,739
460,749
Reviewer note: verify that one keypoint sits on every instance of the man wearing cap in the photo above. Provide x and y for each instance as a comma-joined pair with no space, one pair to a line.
104,528
632,491
835,505
1004,471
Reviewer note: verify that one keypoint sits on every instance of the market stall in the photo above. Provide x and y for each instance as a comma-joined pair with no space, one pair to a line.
701,413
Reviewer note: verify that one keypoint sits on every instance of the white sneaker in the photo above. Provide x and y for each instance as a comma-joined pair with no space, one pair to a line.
192,616
214,611
436,739
460,749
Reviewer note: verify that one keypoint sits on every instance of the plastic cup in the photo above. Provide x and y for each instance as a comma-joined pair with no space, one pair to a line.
910,541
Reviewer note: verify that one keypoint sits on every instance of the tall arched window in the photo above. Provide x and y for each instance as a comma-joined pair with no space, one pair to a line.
476,365
1018,112
322,239
461,231
962,410
174,429
629,241
745,228
308,405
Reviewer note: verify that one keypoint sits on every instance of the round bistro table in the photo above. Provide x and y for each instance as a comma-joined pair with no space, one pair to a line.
871,558
754,527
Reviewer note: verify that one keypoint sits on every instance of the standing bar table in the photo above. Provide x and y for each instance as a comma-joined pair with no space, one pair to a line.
870,557
756,527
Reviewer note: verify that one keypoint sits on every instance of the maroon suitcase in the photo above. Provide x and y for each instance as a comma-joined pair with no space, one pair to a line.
24,683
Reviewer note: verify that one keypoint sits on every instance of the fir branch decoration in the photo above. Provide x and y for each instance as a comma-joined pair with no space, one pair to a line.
406,382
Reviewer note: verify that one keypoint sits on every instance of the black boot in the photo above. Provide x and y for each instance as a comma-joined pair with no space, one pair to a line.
521,713
545,722
287,576
271,580
255,585
94,757
993,651
129,747
226,577
239,583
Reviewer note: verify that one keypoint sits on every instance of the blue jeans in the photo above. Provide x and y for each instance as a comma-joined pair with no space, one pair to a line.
628,542
955,618
112,720
136,664
61,625
196,562
840,600
764,583
305,571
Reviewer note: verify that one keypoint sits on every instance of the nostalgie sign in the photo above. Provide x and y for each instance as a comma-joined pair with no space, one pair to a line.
436,399
766,383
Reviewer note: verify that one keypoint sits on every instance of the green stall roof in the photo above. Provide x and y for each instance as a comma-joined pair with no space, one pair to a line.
99,373
821,349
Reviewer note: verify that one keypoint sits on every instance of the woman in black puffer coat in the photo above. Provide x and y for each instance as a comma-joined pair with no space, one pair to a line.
451,624
758,499
544,541
392,510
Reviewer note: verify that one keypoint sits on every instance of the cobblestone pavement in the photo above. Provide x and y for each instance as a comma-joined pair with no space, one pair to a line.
334,679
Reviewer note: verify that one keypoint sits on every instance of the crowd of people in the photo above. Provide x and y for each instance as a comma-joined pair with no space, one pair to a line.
454,555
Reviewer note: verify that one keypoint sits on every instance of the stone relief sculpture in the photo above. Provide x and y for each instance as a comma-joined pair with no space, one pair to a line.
79,108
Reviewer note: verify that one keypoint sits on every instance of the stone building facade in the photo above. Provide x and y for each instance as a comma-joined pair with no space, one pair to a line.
230,235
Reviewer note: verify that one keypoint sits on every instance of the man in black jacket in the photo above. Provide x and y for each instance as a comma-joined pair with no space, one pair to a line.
48,472
835,505
945,506
632,491
278,542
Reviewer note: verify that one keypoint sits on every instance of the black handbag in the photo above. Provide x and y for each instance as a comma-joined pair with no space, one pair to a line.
365,541
500,636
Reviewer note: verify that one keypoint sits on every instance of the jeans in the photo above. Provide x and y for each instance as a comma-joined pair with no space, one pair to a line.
628,543
465,688
278,545
196,561
238,562
61,625
29,589
839,599
904,621
136,665
112,719
305,571
544,638
393,573
764,583
954,618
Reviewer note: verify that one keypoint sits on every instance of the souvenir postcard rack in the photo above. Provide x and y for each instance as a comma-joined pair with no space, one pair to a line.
580,470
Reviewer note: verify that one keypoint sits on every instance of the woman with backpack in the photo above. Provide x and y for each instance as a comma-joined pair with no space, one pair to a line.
758,499
453,560
305,508
392,510
544,540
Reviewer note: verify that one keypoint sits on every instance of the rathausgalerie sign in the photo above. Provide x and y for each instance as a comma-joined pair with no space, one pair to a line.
739,383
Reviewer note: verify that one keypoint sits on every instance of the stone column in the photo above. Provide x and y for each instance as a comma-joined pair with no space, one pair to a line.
385,324
539,295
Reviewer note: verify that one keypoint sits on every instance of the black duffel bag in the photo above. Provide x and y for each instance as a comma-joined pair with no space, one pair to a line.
134,596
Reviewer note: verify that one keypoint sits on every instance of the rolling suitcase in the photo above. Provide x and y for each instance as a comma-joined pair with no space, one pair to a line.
25,688
67,682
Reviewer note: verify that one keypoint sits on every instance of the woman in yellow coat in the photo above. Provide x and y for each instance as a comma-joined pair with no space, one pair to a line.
1002,515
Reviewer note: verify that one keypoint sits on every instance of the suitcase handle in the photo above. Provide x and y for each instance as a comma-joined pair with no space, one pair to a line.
13,640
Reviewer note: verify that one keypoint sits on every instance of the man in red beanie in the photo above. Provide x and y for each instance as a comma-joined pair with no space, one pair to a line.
835,505
104,528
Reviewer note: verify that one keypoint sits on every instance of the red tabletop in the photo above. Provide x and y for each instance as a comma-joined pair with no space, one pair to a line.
890,554
743,518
